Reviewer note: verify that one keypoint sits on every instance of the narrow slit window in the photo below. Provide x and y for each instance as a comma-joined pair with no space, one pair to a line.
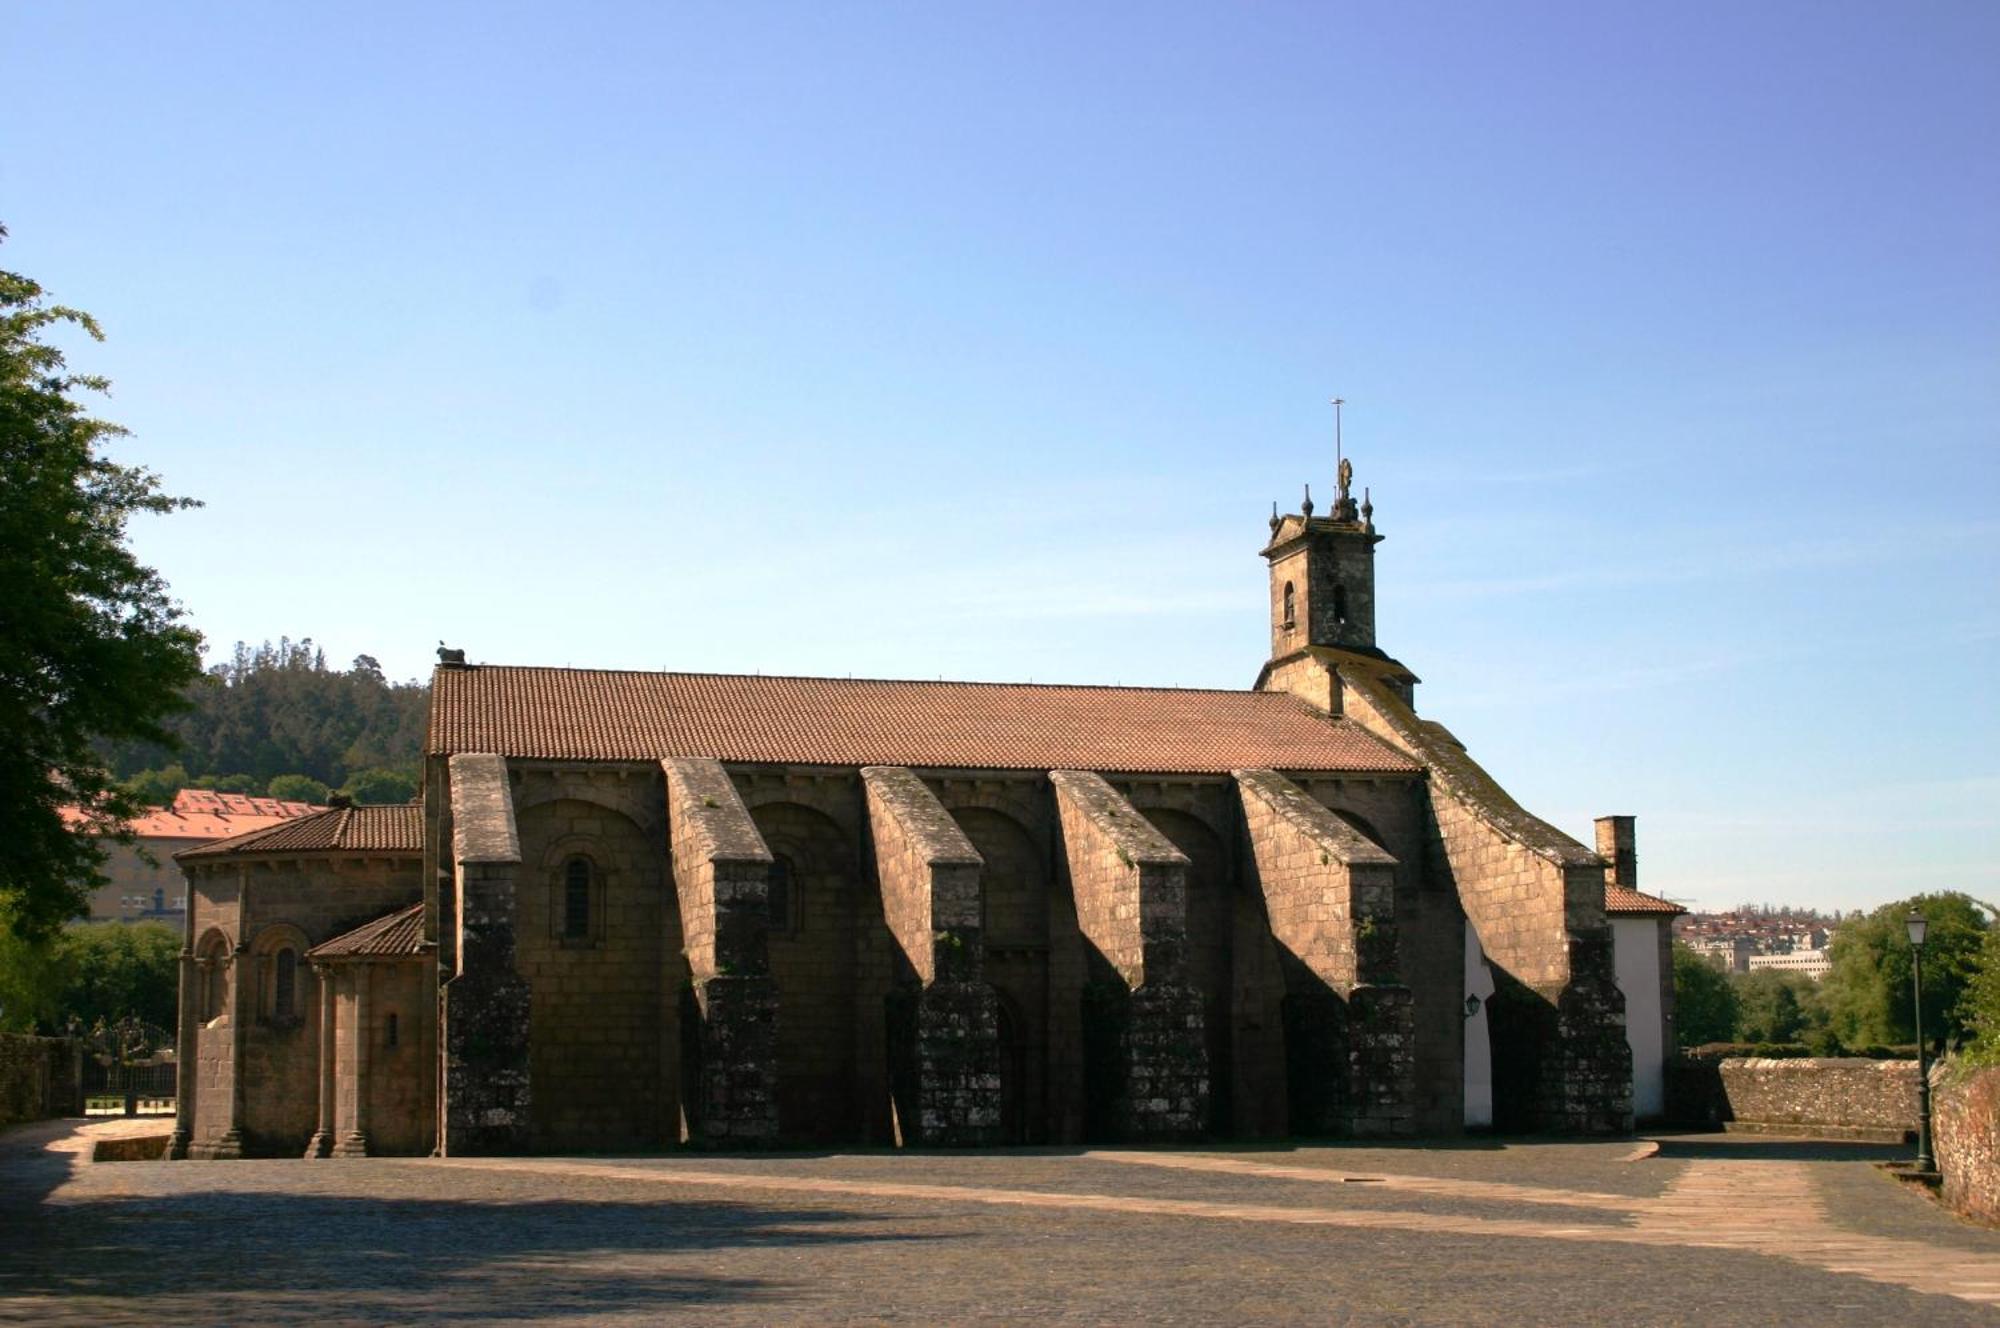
1291,605
779,898
389,1030
576,900
285,986
1340,604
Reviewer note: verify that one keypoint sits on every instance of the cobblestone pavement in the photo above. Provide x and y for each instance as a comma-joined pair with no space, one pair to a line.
1711,1230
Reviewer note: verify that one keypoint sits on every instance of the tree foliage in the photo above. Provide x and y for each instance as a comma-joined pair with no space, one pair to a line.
1979,1007
91,647
90,971
1773,1006
1868,991
298,788
276,710
1705,1003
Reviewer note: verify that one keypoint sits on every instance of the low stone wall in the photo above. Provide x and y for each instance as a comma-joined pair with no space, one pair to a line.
1838,1097
1965,1135
37,1079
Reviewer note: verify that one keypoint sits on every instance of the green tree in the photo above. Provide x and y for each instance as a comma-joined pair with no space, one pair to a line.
91,647
1979,1007
90,971
1704,1000
297,788
1868,990
227,783
156,788
377,785
1772,1006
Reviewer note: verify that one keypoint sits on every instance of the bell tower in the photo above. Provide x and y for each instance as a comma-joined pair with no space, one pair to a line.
1323,574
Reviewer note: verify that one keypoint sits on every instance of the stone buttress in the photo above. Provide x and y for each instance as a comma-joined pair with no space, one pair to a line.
945,1047
1330,895
1146,1054
483,1005
1536,898
722,872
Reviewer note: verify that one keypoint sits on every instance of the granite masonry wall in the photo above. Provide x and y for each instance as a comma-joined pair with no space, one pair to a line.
1846,1097
722,873
1146,1051
1536,898
486,1004
1330,895
1965,1134
947,1044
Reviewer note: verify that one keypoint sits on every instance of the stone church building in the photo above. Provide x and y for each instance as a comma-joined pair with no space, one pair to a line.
635,910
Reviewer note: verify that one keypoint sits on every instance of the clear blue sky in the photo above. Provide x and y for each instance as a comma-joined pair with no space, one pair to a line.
976,341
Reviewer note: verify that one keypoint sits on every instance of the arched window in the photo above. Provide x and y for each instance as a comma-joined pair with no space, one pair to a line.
1340,604
159,901
1291,606
780,900
576,900
285,985
212,964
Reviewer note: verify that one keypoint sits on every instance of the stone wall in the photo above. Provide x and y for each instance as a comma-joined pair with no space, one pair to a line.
37,1079
485,1003
722,872
1845,1097
603,1060
947,1047
1147,1053
1965,1135
1329,893
296,904
1536,898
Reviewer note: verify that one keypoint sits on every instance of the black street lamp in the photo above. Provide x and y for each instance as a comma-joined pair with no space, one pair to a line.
1919,925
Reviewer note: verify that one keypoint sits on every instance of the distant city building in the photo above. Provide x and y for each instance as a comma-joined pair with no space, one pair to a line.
155,891
1813,963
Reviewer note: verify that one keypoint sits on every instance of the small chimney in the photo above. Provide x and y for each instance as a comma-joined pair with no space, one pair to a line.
1614,845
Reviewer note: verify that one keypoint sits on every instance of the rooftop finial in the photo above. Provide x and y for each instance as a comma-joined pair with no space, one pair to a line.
1367,511
1343,503
1307,506
1274,516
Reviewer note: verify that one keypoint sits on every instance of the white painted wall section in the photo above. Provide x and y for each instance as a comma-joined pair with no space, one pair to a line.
1635,954
1478,1042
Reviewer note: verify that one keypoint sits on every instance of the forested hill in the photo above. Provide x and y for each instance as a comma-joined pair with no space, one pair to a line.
276,720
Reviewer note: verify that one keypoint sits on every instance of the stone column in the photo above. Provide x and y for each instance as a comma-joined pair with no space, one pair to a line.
242,1000
1146,1055
321,1143
355,1142
187,1049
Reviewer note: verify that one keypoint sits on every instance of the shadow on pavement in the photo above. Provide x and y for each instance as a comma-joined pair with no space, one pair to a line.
282,1255
1765,1148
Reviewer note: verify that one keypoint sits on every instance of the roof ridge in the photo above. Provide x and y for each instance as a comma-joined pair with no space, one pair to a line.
827,677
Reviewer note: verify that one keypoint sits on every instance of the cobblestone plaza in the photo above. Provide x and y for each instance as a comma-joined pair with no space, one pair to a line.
1713,1229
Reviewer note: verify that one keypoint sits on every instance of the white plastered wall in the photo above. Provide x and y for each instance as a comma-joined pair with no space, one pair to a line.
1635,945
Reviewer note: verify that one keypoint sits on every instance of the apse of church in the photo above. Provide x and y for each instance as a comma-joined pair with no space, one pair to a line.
645,910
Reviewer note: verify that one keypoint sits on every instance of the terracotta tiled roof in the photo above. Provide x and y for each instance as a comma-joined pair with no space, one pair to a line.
599,715
203,814
397,829
1624,899
396,936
